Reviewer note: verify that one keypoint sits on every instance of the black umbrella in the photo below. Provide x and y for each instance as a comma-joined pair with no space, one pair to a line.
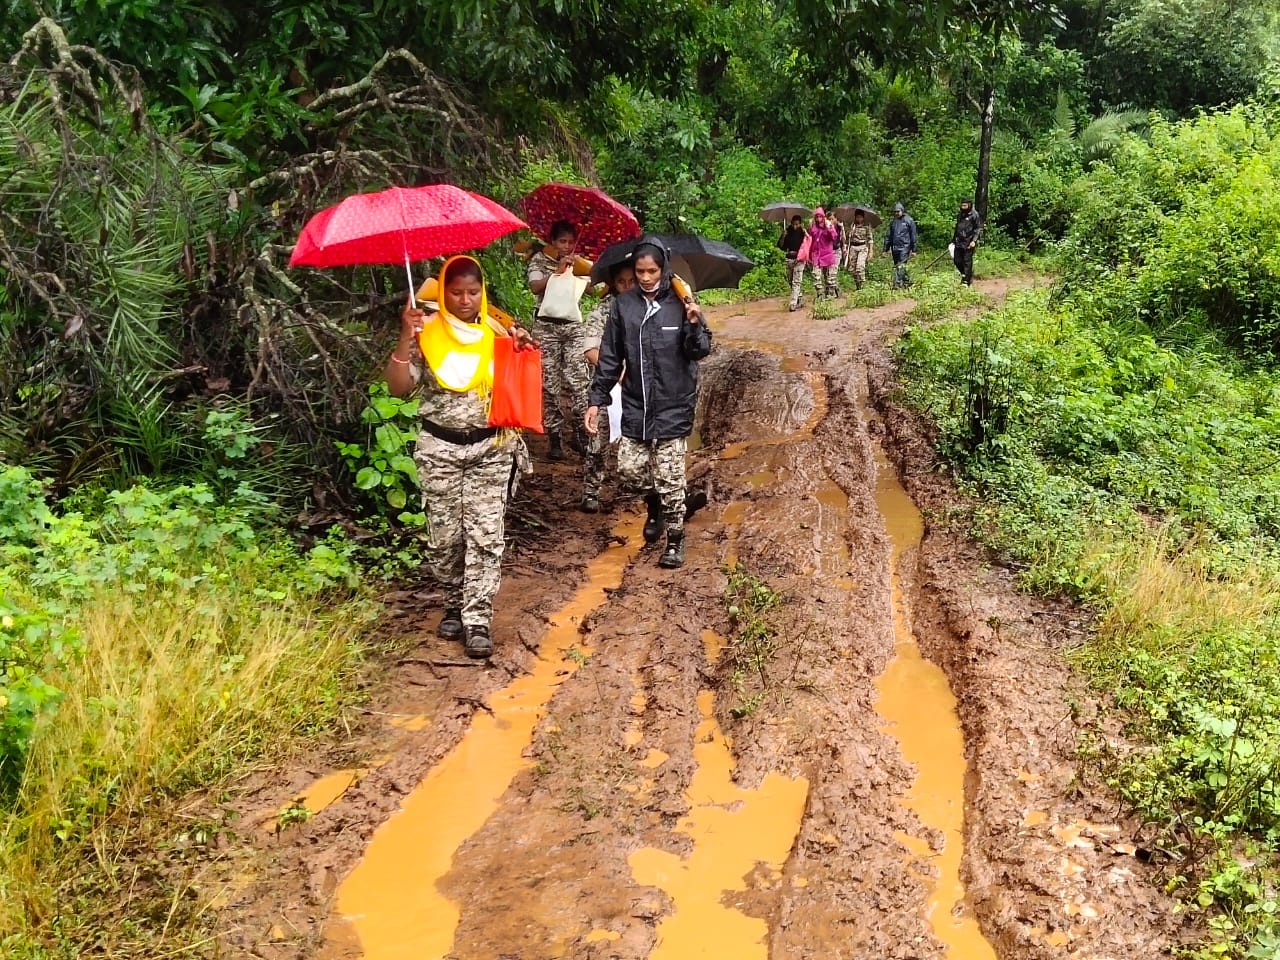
705,264
783,211
845,213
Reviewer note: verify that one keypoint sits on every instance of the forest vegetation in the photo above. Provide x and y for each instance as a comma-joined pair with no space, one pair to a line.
186,560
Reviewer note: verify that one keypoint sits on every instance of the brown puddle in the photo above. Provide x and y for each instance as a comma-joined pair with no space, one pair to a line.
390,899
915,699
732,831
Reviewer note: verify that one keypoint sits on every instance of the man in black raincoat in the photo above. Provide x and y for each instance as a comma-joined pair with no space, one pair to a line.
657,339
901,239
965,240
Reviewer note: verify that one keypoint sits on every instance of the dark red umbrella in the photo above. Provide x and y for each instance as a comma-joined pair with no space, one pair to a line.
599,219
401,224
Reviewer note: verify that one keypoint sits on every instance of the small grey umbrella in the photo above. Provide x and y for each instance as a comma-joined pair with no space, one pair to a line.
783,211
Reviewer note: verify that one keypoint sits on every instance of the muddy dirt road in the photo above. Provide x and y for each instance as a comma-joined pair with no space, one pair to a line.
877,765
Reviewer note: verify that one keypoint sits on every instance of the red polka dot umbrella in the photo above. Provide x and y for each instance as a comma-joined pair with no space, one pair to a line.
599,219
401,224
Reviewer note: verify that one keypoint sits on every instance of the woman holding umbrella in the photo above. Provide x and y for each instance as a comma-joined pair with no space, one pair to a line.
659,340
466,468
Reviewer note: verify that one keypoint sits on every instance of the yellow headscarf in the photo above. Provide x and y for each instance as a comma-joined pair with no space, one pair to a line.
459,354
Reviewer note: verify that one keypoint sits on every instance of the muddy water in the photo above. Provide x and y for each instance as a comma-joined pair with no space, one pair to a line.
391,898
732,830
916,700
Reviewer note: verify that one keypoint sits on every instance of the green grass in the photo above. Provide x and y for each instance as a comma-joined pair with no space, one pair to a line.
174,646
1143,480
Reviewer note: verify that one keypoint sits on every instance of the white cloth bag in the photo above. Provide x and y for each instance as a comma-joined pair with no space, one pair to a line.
560,299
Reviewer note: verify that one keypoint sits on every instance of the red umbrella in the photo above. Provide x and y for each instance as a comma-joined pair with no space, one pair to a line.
401,224
599,219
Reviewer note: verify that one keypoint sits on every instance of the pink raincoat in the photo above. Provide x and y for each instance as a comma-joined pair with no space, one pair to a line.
822,252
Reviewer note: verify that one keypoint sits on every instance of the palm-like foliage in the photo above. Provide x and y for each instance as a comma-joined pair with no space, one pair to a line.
1100,138
100,238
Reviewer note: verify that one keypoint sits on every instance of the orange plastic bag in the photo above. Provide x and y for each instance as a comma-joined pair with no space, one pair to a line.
517,386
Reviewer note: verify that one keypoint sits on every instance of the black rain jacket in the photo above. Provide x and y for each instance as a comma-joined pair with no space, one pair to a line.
968,228
659,350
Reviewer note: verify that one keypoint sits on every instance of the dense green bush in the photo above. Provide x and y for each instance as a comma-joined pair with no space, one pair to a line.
1145,480
1183,230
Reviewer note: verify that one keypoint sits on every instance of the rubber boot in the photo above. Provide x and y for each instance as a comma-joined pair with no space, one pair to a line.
654,523
555,451
479,645
673,556
450,624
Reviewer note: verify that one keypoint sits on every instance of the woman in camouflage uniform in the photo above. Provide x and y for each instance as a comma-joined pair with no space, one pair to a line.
621,279
556,337
466,468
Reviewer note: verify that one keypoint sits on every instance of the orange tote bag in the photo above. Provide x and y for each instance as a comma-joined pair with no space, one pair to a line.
517,386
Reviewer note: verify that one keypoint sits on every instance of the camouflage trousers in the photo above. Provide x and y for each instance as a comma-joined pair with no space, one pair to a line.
826,280
559,345
647,466
795,276
593,447
464,495
858,258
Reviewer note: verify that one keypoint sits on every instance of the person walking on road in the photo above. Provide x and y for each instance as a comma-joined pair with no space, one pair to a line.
861,247
823,238
556,336
466,469
622,279
965,240
901,239
790,242
658,340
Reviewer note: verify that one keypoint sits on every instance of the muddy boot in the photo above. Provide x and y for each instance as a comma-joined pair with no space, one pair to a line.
673,556
694,501
590,503
578,442
479,644
654,523
555,451
450,624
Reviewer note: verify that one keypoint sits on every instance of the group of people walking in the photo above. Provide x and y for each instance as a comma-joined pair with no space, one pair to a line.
827,245
643,337
642,342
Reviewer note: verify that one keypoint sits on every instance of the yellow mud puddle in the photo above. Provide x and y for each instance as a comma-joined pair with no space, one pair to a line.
712,646
732,830
391,898
602,936
413,724
915,699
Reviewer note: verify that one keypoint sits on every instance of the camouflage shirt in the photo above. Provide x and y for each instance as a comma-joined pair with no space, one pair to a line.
541,267
593,327
859,235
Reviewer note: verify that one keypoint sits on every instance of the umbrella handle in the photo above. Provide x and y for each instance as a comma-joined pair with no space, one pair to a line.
413,297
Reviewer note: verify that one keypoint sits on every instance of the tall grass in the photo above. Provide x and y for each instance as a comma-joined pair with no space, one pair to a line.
178,677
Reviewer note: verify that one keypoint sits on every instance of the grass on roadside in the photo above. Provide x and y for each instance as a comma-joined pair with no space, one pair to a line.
156,648
1144,481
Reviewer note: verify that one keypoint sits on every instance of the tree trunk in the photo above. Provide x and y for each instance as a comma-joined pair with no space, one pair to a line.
984,150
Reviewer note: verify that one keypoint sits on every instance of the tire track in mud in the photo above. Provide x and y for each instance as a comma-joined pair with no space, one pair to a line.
640,761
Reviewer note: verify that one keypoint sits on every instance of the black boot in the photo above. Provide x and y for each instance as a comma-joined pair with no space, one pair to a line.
555,451
450,624
654,524
590,503
578,442
673,556
694,501
479,644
